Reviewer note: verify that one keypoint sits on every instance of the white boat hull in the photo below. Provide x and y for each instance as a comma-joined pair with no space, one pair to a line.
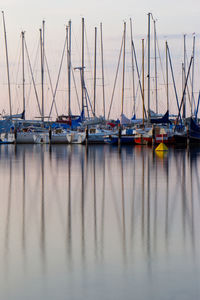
8,138
59,138
25,138
76,137
41,138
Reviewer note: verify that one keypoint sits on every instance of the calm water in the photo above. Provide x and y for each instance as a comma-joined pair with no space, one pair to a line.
96,223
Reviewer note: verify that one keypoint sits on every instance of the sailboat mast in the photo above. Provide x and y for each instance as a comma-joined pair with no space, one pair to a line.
167,77
148,66
102,71
193,75
69,67
42,111
123,75
184,76
155,56
143,81
23,76
7,63
82,68
183,84
95,68
132,61
67,42
42,65
68,29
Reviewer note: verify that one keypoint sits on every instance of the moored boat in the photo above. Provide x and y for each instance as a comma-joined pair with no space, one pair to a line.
58,136
194,132
76,137
97,135
155,135
126,137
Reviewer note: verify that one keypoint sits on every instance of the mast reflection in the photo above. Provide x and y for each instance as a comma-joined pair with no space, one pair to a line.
69,211
123,209
82,207
95,206
24,204
43,215
115,204
8,219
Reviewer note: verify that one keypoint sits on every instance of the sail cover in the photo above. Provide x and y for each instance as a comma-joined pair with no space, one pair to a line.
164,119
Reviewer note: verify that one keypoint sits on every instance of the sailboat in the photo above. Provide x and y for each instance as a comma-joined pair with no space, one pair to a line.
194,132
97,135
76,137
58,136
30,132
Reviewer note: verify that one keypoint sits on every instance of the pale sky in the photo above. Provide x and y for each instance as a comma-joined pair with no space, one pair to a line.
175,18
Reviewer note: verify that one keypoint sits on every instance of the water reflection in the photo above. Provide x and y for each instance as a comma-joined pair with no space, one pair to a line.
74,211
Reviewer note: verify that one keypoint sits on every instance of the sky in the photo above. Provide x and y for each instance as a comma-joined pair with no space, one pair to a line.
174,18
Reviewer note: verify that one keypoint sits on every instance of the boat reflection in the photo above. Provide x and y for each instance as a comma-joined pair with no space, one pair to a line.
74,207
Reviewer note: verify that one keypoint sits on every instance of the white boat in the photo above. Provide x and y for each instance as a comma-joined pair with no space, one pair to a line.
97,135
41,138
7,138
76,137
59,136
25,137
32,136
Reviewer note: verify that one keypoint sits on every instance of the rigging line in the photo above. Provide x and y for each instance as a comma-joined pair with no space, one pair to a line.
29,92
137,69
187,64
197,108
90,64
50,80
33,80
120,53
7,64
172,73
136,95
17,74
87,97
132,67
182,100
139,72
193,67
139,86
55,91
188,91
51,86
76,89
161,66
190,80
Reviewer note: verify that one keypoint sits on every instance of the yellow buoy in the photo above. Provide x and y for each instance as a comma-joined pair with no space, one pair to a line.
161,147
161,154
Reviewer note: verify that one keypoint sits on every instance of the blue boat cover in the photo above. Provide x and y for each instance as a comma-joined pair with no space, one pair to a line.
163,120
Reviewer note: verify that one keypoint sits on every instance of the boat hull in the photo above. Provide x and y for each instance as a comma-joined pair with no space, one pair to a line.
124,140
25,138
76,137
59,139
160,138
